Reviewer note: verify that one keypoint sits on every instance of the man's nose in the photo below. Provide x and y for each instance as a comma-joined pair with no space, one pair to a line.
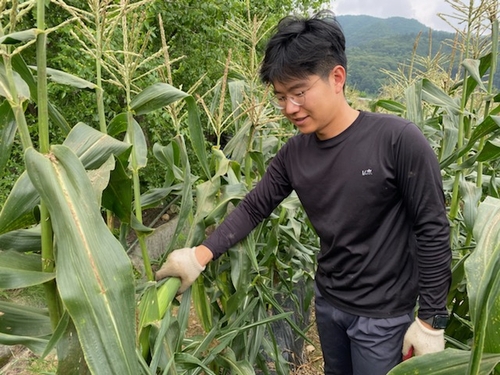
290,108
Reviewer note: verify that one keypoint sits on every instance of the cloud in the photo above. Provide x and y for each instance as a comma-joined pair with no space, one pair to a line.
376,8
425,11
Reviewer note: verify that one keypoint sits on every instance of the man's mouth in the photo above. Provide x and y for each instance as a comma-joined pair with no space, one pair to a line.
299,120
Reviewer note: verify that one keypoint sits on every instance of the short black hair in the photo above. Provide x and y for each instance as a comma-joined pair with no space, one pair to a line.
304,46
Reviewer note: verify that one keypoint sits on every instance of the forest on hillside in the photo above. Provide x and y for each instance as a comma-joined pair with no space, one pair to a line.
376,46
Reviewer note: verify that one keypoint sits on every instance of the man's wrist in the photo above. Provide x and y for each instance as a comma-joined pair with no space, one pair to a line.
438,321
203,255
425,324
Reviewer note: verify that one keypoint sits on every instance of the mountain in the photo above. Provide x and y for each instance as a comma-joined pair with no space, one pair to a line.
374,44
362,29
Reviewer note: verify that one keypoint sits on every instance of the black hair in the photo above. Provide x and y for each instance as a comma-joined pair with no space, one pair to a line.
304,46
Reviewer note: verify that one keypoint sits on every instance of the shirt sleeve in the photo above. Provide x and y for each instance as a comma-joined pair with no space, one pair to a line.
420,181
258,204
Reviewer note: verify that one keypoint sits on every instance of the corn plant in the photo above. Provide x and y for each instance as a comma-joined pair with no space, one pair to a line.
262,289
459,116
51,227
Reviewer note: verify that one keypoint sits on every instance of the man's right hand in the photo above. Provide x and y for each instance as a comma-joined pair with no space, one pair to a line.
181,263
186,264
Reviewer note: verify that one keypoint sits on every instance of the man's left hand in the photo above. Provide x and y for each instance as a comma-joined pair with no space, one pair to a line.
423,340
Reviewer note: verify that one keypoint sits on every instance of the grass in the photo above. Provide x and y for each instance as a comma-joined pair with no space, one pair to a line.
24,362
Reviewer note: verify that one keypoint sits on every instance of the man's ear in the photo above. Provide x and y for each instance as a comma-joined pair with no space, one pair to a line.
338,77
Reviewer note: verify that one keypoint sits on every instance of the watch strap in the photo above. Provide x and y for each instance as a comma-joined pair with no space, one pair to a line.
438,321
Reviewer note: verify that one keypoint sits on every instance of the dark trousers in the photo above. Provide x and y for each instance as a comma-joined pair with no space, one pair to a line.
356,345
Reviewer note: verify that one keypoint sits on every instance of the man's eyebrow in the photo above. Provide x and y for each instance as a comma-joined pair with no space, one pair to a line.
295,86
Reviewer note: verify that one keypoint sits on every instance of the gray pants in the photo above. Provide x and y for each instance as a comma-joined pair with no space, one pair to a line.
356,345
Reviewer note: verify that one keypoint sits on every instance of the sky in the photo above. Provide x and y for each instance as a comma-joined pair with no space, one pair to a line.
424,11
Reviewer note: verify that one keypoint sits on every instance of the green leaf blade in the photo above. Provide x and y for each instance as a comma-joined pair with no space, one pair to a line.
94,274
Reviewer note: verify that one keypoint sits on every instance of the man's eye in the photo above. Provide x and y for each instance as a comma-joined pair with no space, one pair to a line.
280,98
300,94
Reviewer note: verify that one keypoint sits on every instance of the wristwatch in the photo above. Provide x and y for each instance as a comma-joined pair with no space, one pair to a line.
438,321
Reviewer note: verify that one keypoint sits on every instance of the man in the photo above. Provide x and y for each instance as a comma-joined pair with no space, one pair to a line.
371,186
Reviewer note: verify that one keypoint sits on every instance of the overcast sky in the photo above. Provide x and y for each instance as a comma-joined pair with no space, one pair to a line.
424,11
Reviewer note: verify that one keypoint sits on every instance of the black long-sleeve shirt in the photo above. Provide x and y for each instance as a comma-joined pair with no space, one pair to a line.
374,196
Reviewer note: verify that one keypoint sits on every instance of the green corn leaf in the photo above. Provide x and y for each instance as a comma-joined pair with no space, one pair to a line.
229,193
19,210
160,95
236,148
24,71
92,146
206,196
58,334
24,325
448,362
471,196
259,161
139,227
135,137
22,88
186,205
100,177
476,70
202,305
391,106
19,37
163,351
183,318
118,125
117,197
237,367
170,156
22,240
483,281
153,307
156,97
490,151
188,361
472,67
435,96
154,197
241,263
94,149
237,88
413,97
489,126
19,270
35,344
94,274
450,136
19,320
8,128
64,78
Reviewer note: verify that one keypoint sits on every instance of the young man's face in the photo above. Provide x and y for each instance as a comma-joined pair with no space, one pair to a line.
311,104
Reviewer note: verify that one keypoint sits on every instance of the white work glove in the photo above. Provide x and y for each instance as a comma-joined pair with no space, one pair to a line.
181,263
423,340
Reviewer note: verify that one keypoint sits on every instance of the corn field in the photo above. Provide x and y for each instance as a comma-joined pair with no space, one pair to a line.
65,223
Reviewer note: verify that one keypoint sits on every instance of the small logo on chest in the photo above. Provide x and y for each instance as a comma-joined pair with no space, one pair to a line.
367,172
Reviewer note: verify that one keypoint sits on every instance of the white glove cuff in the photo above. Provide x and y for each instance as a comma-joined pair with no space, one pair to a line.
428,331
194,262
